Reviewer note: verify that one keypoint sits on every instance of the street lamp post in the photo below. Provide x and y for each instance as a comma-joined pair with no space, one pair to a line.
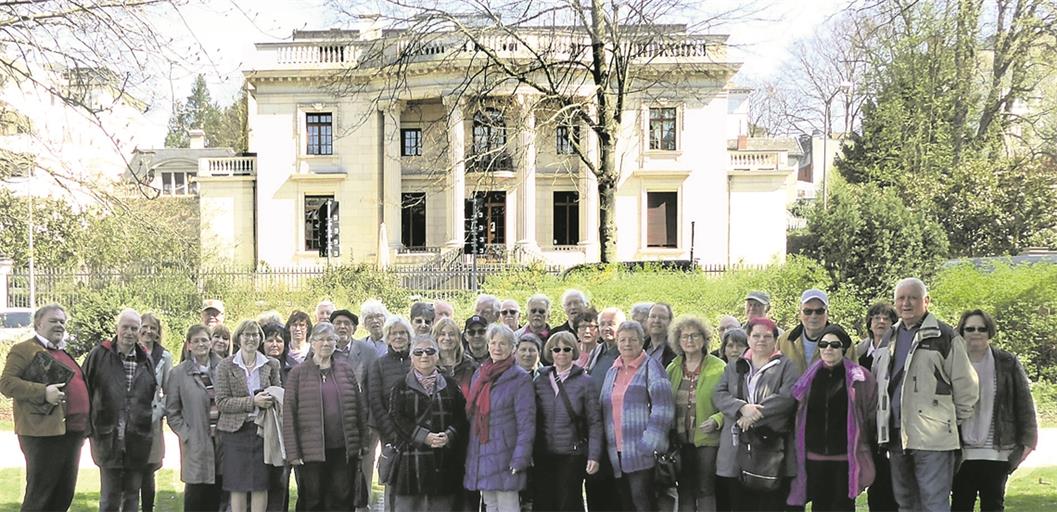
826,129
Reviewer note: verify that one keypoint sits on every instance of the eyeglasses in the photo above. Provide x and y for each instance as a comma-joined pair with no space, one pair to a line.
419,352
830,344
974,329
584,327
813,311
509,312
558,350
475,332
692,336
536,311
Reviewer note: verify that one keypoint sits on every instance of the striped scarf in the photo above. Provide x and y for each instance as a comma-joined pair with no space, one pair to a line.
429,382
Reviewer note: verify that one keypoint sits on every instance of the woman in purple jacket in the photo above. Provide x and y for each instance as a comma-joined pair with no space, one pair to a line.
501,408
569,425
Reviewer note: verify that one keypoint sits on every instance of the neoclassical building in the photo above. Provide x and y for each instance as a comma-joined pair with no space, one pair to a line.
412,160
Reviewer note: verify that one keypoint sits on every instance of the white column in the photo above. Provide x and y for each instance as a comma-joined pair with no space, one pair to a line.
588,187
456,180
392,179
526,172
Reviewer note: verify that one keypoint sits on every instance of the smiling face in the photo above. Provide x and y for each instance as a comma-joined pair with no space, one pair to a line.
52,325
299,332
448,339
562,355
813,316
528,355
199,345
398,338
221,344
657,322
975,334
476,338
249,340
629,344
344,327
607,326
149,331
424,357
499,348
211,317
829,354
911,303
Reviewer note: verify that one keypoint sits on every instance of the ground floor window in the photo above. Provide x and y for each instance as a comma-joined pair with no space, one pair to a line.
566,218
413,219
313,222
662,228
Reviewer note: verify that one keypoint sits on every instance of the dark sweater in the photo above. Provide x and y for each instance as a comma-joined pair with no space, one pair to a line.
827,413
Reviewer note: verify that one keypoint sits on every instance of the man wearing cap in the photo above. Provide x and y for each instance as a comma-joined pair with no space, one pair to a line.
800,344
927,387
476,341
422,315
757,305
212,313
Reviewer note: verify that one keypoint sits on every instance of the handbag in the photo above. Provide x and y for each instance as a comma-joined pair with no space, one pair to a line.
761,452
666,465
389,459
581,435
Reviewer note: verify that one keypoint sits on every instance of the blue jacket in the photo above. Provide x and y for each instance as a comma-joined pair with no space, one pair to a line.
511,433
644,425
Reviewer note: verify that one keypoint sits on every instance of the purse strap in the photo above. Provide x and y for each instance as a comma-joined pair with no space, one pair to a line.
568,405
425,414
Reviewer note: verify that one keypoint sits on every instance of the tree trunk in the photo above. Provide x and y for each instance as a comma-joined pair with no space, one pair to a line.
607,188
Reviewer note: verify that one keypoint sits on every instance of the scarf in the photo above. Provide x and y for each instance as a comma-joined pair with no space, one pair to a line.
975,430
479,406
429,382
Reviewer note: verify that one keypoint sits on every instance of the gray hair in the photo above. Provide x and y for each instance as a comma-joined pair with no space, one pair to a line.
573,293
424,339
127,313
489,299
393,321
618,316
911,281
323,303
641,307
374,307
539,297
322,329
635,327
43,310
504,332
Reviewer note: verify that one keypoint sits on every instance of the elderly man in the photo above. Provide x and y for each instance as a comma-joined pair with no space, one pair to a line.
573,303
374,314
640,311
487,307
422,315
660,317
51,418
800,344
121,384
928,387
757,305
510,314
443,309
212,312
476,341
539,314
323,311
600,486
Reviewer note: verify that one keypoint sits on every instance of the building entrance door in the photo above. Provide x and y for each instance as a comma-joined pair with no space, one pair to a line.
485,218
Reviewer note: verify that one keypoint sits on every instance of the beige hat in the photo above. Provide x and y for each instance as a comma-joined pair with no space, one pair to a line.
214,304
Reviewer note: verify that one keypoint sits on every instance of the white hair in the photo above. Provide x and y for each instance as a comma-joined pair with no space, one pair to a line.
490,299
127,313
911,281
618,316
539,297
643,307
373,307
325,303
573,293
504,332
394,321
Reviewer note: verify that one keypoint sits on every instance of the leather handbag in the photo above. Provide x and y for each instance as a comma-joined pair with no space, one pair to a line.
761,453
387,464
666,465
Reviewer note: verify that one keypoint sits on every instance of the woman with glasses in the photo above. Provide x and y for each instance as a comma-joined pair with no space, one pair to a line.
382,377
694,375
585,326
241,382
1002,430
879,321
324,425
836,408
452,359
298,325
429,416
568,428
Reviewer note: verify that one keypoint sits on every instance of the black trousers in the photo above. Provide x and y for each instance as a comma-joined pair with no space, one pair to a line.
725,488
202,497
984,477
558,482
637,492
827,486
278,489
51,470
119,489
879,495
748,500
600,487
328,485
146,490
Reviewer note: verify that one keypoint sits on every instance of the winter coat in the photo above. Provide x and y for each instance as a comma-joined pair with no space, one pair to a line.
187,411
555,432
712,369
112,400
773,392
461,372
303,412
1015,425
233,399
423,470
940,387
511,433
791,344
384,374
862,402
161,374
645,419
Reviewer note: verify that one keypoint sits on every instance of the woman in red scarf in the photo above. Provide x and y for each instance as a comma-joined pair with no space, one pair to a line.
501,407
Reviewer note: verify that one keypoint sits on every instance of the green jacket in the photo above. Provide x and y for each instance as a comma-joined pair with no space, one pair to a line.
711,373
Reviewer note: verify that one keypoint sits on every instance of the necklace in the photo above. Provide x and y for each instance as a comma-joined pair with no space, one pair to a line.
324,373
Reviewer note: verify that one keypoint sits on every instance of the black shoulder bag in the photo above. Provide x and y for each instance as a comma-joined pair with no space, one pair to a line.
761,451
666,465
581,434
389,459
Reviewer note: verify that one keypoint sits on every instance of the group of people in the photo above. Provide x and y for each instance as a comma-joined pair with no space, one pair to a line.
651,412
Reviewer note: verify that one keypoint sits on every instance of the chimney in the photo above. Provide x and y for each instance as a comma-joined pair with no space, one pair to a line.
743,142
198,138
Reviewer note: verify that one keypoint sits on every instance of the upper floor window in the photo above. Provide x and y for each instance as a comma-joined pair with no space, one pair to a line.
320,126
567,137
662,128
662,209
178,183
411,142
489,131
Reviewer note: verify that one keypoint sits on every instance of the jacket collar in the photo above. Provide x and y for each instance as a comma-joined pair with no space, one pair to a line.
111,345
574,371
413,383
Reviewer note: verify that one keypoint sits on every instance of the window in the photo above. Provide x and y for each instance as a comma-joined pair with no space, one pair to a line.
661,219
178,183
411,142
312,220
566,218
566,137
662,129
320,133
489,131
806,173
413,219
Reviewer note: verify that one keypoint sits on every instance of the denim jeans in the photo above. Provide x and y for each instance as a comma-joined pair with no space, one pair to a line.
921,479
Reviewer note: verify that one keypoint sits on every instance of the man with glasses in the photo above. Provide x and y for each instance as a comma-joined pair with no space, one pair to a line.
476,341
573,303
510,314
539,314
800,344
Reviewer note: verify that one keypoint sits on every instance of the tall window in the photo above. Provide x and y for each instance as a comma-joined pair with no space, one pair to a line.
662,128
566,218
178,183
411,142
566,137
489,131
413,219
312,205
662,213
320,127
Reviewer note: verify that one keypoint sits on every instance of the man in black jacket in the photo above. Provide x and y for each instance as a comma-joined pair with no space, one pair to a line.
121,386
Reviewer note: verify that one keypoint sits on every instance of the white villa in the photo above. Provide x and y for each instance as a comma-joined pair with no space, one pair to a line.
415,164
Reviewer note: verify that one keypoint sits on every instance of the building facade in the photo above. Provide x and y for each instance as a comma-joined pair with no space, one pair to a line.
417,163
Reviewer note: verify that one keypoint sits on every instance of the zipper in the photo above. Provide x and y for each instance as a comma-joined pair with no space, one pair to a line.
915,383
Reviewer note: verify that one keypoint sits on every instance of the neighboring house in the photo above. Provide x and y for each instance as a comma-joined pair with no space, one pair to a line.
813,165
414,173
173,172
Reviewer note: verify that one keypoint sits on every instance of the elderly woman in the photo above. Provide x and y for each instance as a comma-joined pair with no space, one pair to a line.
836,411
527,353
150,336
298,325
324,425
637,413
221,340
585,326
538,309
453,361
241,382
276,345
879,321
733,344
383,375
501,408
429,413
694,375
191,409
568,428
755,395
1002,430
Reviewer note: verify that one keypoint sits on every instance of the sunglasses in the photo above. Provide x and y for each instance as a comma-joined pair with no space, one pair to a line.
419,352
558,350
509,312
830,344
538,311
974,329
475,332
813,311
